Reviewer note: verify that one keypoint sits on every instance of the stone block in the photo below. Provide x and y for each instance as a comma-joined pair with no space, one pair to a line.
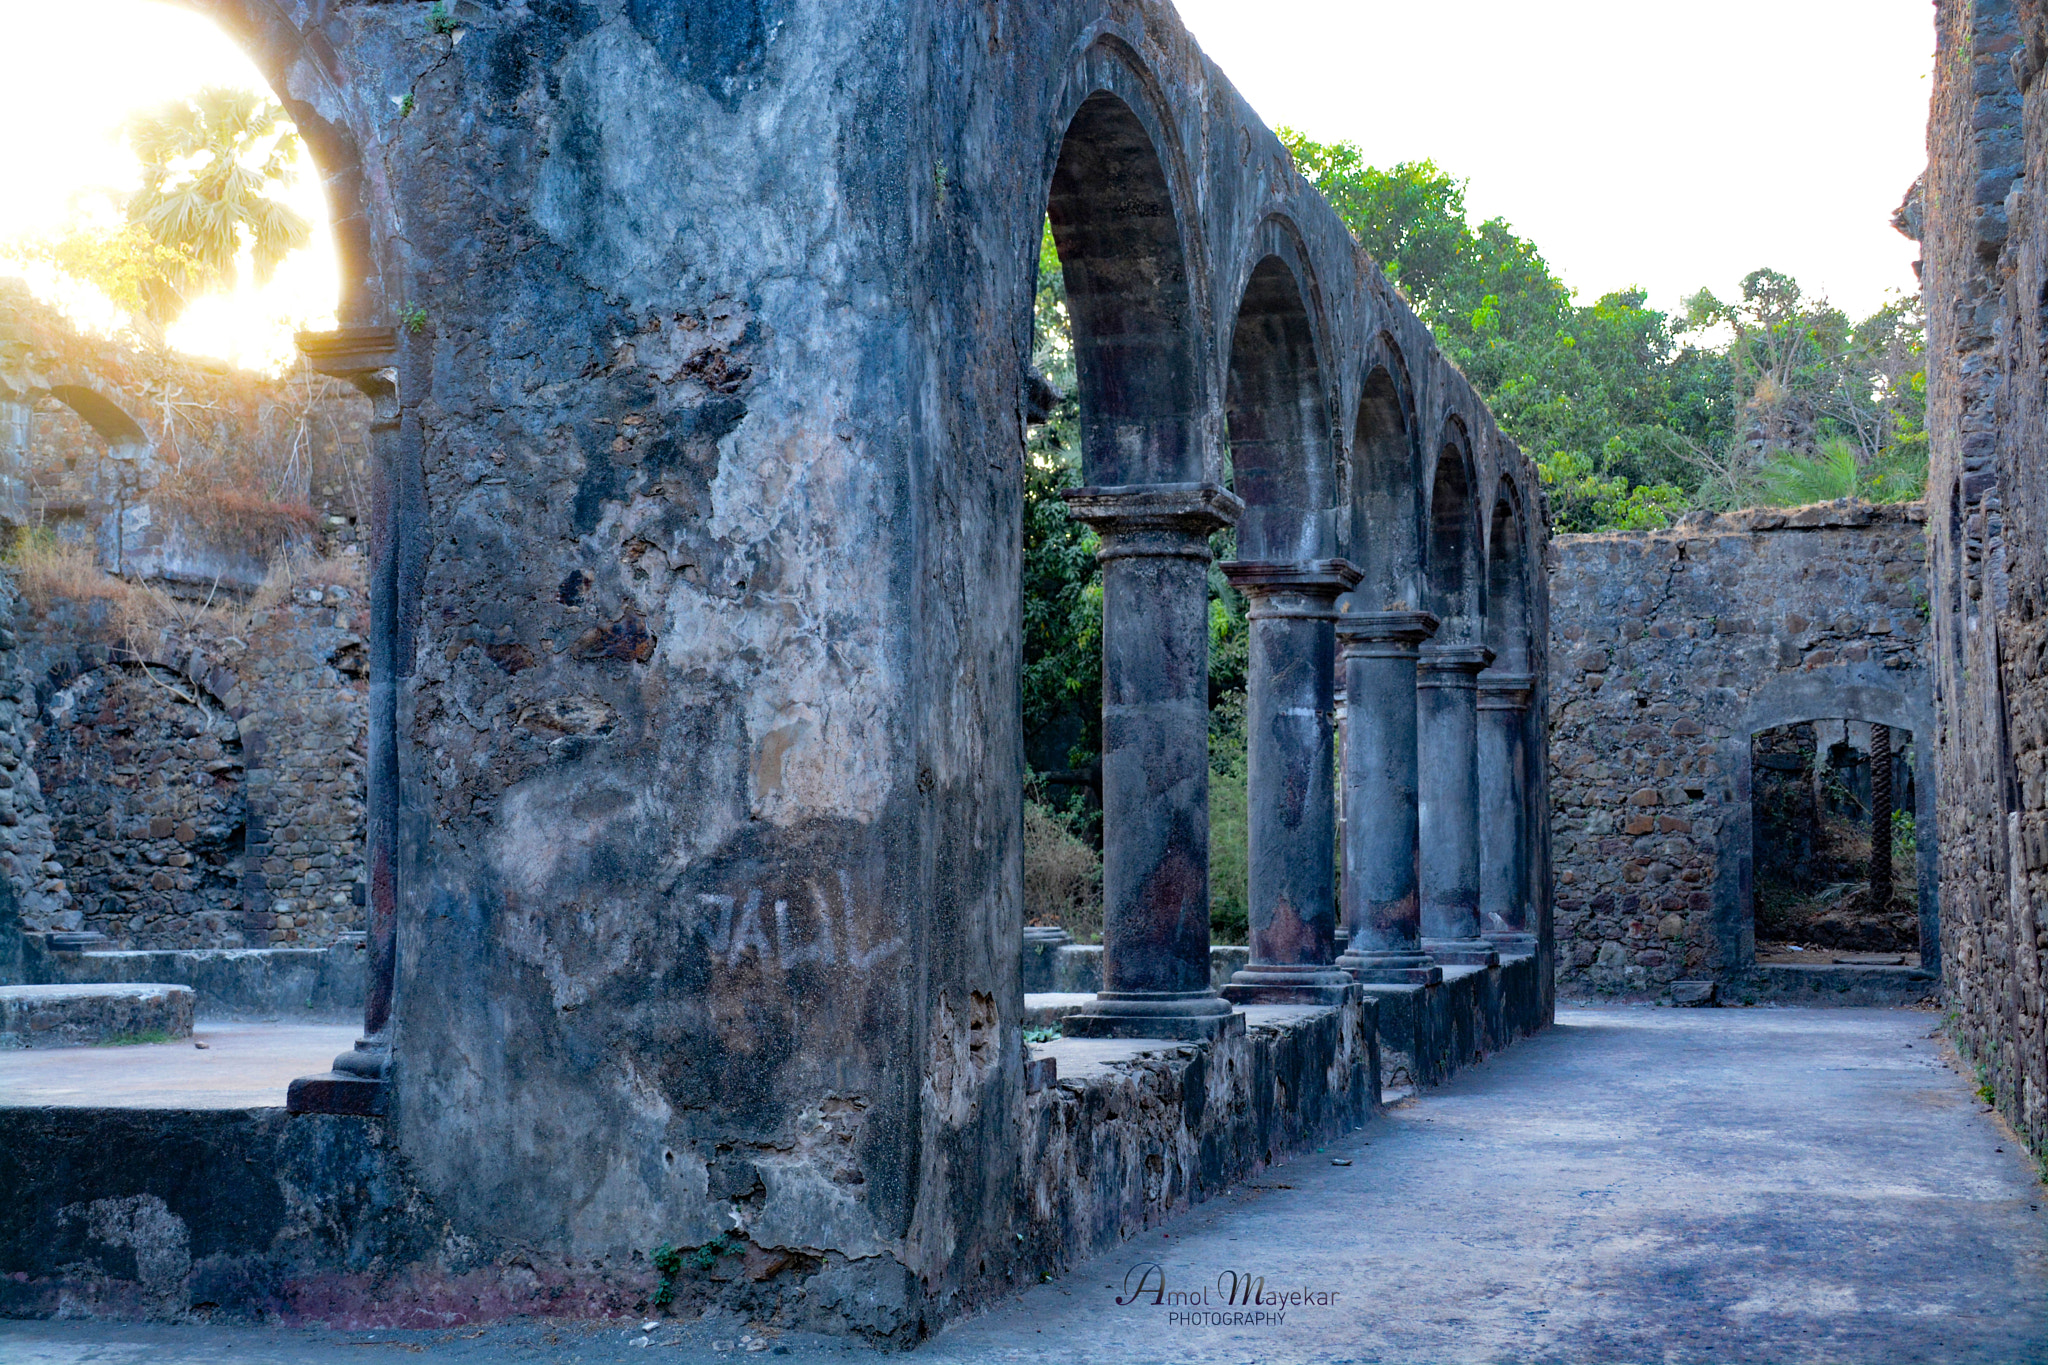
81,1016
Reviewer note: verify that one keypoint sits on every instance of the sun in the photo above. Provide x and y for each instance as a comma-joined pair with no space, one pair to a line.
68,93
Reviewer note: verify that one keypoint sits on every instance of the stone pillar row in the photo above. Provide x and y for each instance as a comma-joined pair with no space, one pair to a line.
1435,870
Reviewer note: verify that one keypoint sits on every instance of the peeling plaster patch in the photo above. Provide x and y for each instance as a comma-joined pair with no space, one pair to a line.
161,1242
815,1188
963,1052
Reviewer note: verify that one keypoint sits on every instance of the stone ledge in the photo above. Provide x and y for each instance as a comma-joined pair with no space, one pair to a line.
226,983
1836,984
1136,1130
79,1016
1429,1033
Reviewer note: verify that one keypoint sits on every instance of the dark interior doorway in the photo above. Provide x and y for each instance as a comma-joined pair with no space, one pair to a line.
1835,843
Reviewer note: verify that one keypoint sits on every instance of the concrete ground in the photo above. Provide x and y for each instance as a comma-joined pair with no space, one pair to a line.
1769,1185
242,1066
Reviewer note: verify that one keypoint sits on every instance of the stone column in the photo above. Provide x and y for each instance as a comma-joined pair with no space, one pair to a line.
1155,760
1880,817
367,357
1382,907
1446,693
1503,812
1292,801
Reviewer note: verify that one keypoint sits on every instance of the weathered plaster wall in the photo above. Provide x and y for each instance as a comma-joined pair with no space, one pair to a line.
1669,650
1983,231
696,602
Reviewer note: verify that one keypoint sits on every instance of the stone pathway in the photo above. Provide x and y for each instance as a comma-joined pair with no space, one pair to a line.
1769,1185
242,1066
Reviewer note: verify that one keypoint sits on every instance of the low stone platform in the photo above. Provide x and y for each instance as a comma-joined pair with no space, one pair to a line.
1076,968
79,1016
1833,984
1045,1009
306,1217
226,983
1428,1033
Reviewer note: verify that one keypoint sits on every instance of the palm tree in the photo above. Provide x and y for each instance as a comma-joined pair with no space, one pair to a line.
207,164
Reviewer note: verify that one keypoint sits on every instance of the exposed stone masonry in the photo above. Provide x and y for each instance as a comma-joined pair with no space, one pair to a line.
144,779
1982,224
1670,649
209,794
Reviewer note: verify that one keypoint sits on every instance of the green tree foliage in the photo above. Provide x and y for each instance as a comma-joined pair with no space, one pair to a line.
208,164
1630,418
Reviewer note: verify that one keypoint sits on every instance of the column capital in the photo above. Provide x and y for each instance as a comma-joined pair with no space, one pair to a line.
1173,520
1452,664
1505,691
1304,590
1378,634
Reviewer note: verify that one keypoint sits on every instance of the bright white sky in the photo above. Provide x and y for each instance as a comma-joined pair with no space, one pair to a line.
1648,142
1635,141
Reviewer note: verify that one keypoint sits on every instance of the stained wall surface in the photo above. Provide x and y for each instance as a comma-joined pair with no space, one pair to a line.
694,621
1669,650
1983,230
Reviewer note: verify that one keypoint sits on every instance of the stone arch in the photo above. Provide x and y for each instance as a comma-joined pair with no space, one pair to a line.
1858,692
1509,620
304,73
1278,420
143,767
1385,538
1131,293
1454,586
102,414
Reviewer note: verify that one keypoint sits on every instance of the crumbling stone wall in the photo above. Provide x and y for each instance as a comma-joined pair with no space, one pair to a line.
1669,650
217,465
1983,232
143,771
206,786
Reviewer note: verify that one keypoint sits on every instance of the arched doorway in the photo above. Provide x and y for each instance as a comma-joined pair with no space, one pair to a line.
1810,760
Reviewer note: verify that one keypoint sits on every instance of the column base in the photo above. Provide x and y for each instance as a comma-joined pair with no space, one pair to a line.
1511,942
1391,968
1193,1015
337,1092
1462,952
356,1086
1277,985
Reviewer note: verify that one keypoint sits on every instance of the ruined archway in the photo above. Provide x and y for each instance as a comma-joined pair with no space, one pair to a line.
1855,693
1385,535
1278,421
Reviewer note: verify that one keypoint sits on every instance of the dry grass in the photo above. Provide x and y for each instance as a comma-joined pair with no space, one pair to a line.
1062,876
251,522
139,617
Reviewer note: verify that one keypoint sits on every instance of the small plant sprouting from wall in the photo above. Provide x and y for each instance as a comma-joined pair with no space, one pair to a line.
415,319
670,1262
439,20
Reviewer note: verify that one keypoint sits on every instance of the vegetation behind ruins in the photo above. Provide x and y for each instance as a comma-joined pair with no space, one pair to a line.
1633,416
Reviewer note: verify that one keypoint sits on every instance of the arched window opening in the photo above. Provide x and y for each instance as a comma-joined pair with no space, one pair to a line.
1453,586
1127,294
1279,429
1507,590
1385,539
